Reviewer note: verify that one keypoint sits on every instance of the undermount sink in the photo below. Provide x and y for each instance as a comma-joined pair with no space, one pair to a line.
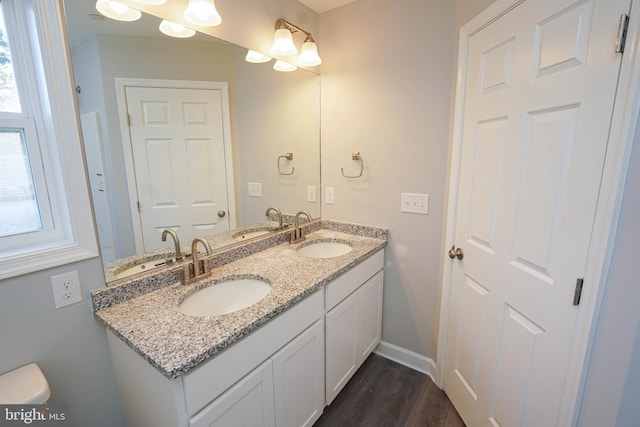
240,236
225,297
324,249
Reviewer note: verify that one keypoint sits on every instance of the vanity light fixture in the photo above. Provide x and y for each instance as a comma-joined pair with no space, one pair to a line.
283,40
283,44
202,13
118,11
256,57
176,30
309,53
284,66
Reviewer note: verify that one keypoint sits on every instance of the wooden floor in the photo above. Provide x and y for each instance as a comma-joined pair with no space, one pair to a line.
385,393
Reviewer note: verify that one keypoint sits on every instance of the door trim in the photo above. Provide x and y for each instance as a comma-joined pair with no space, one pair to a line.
121,99
621,136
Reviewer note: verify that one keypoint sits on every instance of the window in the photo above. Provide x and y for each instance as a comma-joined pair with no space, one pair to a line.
45,214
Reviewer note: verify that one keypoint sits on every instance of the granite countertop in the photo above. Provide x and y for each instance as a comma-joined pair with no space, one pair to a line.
174,342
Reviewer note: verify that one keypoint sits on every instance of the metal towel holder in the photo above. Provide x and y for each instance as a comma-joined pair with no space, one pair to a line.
355,156
288,156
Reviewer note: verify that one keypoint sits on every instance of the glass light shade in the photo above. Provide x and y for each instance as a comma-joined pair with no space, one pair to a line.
284,66
309,55
151,2
256,57
283,43
118,11
202,13
176,30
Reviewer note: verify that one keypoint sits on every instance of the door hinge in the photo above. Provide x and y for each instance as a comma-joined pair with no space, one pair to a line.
578,292
623,26
139,209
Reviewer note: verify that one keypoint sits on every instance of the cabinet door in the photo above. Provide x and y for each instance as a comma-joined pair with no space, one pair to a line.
249,403
353,331
369,317
298,379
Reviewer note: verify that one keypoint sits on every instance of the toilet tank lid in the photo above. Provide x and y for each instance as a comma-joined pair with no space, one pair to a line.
25,385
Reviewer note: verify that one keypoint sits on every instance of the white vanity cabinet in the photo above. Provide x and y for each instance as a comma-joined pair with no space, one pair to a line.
353,321
287,390
273,376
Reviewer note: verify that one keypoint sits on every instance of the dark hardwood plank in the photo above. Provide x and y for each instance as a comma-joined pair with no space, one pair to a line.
385,393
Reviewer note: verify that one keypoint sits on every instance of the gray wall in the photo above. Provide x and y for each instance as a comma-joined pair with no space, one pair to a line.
68,344
387,89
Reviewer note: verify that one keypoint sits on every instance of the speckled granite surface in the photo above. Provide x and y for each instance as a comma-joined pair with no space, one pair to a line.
148,320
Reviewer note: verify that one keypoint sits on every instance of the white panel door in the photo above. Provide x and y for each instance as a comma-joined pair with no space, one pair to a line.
541,83
177,140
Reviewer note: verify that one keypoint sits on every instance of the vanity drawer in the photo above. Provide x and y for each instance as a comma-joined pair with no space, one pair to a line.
203,384
344,285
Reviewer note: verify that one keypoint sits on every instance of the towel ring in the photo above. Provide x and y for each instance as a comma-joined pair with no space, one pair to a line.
288,156
355,156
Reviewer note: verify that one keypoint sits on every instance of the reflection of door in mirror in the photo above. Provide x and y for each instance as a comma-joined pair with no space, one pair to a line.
177,156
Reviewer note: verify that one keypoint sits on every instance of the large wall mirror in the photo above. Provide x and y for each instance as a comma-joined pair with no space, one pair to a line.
126,74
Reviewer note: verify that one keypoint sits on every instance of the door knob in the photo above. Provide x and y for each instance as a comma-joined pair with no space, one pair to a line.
456,253
221,214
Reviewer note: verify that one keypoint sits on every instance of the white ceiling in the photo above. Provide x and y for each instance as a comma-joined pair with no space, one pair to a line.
321,6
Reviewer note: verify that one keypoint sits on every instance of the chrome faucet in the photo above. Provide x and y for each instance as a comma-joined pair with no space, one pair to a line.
297,234
176,241
278,212
194,256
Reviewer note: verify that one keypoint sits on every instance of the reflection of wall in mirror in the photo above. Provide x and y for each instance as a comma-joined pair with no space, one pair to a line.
280,114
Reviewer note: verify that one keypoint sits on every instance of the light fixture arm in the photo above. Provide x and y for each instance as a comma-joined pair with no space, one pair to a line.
283,23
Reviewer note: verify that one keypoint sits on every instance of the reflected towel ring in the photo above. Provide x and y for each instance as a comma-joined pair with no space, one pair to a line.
355,156
288,156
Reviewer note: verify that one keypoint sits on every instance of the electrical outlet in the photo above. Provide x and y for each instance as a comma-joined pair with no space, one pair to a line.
329,195
311,193
255,189
414,203
66,289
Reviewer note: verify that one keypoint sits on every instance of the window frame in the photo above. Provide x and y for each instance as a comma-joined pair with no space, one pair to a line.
36,30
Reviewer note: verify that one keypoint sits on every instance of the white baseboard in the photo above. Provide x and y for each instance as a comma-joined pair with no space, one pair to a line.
407,358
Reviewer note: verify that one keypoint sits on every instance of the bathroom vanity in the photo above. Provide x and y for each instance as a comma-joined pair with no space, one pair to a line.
277,362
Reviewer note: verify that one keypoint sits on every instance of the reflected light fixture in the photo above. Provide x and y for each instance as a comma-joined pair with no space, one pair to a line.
174,29
151,2
283,44
284,66
118,11
202,13
256,57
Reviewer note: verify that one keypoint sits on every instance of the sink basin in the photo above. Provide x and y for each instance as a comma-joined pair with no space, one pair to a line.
225,297
324,249
139,268
240,236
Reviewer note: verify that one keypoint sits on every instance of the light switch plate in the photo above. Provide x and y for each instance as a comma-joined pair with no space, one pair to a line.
414,203
329,195
311,193
255,189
